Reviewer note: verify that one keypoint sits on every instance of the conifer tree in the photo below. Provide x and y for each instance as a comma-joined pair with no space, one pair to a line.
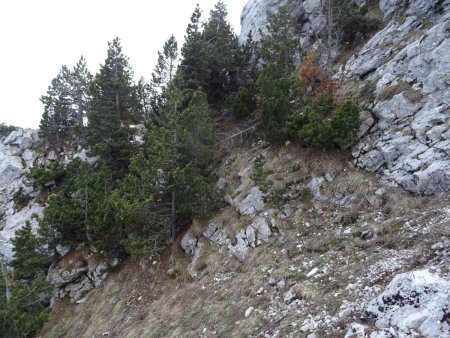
194,66
277,83
25,306
167,62
65,104
163,73
222,49
115,105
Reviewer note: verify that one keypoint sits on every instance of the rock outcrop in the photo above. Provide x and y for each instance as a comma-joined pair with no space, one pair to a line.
405,137
414,304
407,61
79,271
17,153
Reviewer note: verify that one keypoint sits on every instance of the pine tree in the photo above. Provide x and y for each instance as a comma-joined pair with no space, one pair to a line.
277,83
194,65
163,74
29,259
65,104
24,307
167,63
222,49
115,105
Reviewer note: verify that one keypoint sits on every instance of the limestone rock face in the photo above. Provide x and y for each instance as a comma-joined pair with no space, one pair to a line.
18,150
254,15
408,62
416,301
78,272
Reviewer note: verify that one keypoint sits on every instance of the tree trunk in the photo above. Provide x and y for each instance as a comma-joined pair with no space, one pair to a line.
8,291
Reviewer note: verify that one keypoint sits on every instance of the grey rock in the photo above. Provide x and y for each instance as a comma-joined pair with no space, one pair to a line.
216,235
254,15
288,296
189,243
407,145
314,186
414,300
348,232
251,236
252,203
241,248
281,284
272,281
221,183
60,278
262,229
356,330
344,314
249,312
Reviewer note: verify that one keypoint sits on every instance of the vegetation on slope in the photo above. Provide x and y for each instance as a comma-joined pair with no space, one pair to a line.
137,195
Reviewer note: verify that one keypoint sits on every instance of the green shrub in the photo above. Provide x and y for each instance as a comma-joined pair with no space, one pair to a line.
5,129
259,174
20,199
243,102
40,175
316,126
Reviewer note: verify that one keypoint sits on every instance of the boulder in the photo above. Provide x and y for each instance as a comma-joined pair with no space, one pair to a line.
416,301
189,243
252,203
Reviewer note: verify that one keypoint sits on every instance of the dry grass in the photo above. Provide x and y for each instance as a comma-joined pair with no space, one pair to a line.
141,299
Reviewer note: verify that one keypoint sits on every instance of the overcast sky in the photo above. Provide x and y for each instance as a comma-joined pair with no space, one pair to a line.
39,36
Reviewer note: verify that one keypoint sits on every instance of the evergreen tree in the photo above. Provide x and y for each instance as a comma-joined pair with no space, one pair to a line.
145,94
29,259
65,104
194,65
115,105
24,294
277,83
222,49
167,62
163,74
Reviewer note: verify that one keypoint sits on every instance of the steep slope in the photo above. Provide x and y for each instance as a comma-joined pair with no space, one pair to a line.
401,77
336,239
340,247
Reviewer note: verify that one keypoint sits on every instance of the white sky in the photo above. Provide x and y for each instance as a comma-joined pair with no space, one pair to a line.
37,37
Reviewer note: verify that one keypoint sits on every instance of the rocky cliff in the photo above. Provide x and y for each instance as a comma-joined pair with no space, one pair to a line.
340,249
403,68
17,153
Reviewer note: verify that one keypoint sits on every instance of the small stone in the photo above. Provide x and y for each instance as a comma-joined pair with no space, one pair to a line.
260,291
347,232
344,314
312,272
289,296
272,281
437,246
249,311
367,234
287,143
281,284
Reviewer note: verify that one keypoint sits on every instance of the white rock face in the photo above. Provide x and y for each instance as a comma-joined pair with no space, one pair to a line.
252,203
17,154
254,15
417,301
409,143
80,271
